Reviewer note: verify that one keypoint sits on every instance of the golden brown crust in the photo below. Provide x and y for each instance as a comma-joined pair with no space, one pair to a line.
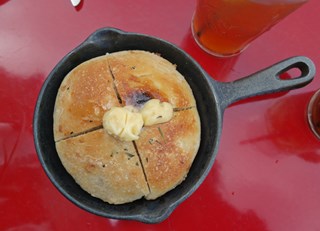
103,166
144,72
84,96
167,151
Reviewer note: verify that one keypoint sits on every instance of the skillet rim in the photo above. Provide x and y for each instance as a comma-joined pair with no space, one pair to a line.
95,38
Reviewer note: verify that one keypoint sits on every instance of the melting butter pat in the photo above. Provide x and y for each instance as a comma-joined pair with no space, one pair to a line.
123,123
155,112
126,123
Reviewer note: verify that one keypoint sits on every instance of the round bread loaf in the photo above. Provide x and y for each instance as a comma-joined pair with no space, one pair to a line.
123,171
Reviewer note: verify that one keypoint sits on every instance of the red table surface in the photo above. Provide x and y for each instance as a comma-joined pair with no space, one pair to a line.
267,171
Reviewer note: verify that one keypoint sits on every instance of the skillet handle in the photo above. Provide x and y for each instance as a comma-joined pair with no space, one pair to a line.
266,81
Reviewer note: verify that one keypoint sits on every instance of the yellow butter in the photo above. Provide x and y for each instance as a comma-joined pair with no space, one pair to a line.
123,123
155,112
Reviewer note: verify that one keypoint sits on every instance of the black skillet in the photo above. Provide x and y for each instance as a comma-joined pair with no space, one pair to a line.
212,98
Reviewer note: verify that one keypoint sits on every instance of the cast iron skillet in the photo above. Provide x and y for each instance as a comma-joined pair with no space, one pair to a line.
212,98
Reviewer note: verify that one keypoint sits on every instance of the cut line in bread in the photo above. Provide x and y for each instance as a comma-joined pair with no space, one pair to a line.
81,133
143,170
114,85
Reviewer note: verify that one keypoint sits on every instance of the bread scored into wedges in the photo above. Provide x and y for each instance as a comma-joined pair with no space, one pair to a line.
106,166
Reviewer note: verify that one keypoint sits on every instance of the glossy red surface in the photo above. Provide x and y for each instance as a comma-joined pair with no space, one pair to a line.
266,175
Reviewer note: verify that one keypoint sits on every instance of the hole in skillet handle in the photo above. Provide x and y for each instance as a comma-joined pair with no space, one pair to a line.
267,81
272,80
295,71
290,74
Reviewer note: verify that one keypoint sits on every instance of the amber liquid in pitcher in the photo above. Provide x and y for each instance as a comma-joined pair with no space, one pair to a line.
226,27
